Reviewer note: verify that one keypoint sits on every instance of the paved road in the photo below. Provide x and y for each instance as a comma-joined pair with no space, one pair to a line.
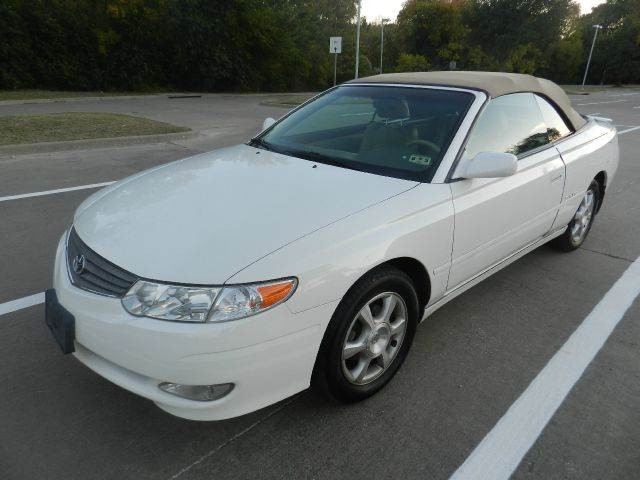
470,361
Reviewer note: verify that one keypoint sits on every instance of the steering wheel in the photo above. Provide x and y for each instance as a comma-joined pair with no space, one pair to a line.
432,147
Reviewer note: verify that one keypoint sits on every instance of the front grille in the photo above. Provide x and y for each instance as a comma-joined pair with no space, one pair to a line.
93,273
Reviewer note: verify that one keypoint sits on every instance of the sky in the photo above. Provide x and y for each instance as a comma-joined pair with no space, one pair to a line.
376,9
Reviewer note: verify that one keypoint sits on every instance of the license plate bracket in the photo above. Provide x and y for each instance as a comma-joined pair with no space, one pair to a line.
61,323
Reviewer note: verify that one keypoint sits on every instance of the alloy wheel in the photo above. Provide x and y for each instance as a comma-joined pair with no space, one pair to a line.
374,338
582,218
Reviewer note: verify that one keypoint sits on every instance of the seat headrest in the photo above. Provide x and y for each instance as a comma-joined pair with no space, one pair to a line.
391,108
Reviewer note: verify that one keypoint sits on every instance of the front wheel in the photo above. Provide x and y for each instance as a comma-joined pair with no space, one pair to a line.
369,336
579,227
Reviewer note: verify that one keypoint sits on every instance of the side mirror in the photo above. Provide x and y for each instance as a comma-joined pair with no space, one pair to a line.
267,123
488,165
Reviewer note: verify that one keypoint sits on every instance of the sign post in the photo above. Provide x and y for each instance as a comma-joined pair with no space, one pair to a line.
335,47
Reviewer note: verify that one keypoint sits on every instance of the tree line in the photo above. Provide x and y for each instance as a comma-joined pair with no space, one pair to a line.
278,45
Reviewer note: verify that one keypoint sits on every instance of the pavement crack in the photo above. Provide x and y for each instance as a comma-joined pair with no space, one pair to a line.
610,255
183,146
232,439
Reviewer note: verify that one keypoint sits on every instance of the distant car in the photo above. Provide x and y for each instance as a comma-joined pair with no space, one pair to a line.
225,282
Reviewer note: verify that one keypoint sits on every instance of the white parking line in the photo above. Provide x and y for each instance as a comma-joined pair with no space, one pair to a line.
625,94
599,103
628,130
501,451
51,192
20,303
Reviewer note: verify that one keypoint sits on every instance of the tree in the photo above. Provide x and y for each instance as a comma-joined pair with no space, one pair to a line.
524,58
229,45
616,57
519,35
408,62
433,29
564,59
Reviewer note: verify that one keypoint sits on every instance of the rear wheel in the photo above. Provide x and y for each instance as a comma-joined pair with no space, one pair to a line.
369,336
580,225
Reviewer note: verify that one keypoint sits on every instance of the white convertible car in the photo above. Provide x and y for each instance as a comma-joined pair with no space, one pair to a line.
225,282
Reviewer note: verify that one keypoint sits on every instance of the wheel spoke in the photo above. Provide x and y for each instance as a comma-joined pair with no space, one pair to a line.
388,306
367,316
386,358
361,369
353,348
398,326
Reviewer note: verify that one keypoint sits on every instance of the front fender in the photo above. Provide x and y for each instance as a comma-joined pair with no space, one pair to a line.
416,224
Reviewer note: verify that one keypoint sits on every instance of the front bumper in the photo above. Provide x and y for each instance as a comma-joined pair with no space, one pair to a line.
268,357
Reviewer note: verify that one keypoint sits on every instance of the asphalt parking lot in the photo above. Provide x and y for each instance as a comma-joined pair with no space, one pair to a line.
469,364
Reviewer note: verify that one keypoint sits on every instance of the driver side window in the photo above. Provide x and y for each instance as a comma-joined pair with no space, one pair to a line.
510,124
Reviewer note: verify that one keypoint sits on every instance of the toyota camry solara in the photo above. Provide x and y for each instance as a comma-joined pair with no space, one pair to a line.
225,282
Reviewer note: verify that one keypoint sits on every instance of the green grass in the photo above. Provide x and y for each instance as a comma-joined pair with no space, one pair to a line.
77,126
53,94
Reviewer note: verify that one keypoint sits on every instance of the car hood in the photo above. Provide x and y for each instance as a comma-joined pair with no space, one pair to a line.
202,219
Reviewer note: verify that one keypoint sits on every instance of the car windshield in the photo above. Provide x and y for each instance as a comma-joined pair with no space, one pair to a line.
399,132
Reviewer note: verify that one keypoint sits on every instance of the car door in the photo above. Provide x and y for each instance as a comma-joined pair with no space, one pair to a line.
495,217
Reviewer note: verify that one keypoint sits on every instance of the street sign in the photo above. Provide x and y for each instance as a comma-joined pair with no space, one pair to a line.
335,47
335,44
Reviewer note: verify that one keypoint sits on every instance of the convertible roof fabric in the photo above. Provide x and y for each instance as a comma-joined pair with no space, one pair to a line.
494,84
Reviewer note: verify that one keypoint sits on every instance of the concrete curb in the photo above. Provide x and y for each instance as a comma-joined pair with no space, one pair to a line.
50,147
79,99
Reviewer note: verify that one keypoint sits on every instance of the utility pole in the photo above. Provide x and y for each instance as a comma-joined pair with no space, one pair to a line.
382,40
586,70
358,38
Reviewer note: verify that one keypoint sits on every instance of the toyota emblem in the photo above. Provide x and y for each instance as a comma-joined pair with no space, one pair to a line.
78,264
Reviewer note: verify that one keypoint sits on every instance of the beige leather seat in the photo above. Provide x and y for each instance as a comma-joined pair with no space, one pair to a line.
380,132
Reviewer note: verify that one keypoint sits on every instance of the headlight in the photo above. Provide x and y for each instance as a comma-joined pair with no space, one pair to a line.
238,301
169,302
205,304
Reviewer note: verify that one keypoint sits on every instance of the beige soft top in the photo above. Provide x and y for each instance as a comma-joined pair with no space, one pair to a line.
494,84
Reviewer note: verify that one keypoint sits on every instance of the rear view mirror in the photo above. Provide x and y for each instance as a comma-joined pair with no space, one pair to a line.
488,165
267,123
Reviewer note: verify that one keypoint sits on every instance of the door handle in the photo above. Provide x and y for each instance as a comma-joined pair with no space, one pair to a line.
556,178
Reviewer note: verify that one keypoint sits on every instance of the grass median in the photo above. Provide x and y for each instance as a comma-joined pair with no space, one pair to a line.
286,101
57,127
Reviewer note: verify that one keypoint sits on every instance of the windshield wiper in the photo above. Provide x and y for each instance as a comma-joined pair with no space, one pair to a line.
316,157
260,143
305,154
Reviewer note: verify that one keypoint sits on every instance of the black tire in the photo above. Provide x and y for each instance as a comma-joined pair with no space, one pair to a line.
329,376
566,242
